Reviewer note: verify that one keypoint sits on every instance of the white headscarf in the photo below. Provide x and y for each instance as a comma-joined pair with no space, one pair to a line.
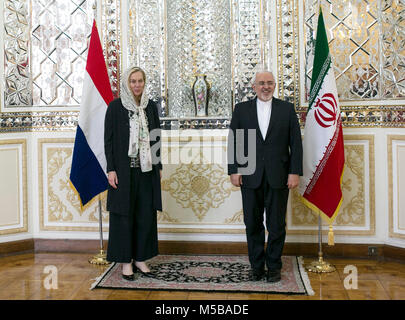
138,125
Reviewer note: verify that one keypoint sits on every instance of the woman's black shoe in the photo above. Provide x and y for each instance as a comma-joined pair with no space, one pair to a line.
129,277
149,274
146,274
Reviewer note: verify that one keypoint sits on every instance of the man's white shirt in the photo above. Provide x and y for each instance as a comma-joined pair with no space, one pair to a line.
263,115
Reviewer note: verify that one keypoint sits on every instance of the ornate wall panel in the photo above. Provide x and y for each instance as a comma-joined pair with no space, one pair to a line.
59,204
17,89
247,47
366,44
287,50
357,213
13,186
196,190
58,70
198,42
45,50
147,46
393,50
55,36
353,33
110,31
59,34
396,186
364,38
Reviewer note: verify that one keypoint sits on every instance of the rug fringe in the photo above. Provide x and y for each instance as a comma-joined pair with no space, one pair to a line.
99,278
304,276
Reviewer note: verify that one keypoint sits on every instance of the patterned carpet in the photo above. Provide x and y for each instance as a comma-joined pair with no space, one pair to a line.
208,273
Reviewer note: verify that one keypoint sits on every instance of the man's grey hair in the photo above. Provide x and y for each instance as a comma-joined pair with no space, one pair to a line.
261,71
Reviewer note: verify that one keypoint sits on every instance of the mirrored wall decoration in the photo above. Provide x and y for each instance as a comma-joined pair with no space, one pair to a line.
147,46
111,41
288,49
247,53
393,48
198,42
45,50
17,90
366,41
268,21
38,121
175,40
59,38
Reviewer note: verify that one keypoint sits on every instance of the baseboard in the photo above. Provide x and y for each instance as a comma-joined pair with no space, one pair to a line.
68,245
20,246
205,247
394,253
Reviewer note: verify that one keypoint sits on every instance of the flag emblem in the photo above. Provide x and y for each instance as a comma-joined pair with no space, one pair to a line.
326,110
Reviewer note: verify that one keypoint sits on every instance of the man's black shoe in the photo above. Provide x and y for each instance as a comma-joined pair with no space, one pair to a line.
273,275
257,274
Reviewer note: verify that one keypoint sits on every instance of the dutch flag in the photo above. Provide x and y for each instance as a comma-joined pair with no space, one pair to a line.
88,171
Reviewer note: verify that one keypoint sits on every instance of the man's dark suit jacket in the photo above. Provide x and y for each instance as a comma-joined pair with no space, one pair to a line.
116,143
279,154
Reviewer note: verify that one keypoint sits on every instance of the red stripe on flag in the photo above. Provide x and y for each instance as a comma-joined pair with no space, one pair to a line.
96,67
326,194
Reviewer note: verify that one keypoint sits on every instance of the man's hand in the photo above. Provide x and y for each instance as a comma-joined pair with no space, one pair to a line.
293,181
236,179
113,179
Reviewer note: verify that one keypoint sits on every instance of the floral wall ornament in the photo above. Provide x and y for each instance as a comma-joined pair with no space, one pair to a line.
200,95
200,186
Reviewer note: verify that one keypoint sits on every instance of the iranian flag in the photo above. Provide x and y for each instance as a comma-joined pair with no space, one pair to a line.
323,161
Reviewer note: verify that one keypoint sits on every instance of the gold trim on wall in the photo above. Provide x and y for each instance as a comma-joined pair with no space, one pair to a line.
24,180
41,200
390,139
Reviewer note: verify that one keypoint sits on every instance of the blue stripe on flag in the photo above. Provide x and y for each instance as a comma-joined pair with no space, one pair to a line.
86,174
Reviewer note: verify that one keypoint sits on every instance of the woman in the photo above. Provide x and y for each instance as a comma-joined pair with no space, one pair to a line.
134,175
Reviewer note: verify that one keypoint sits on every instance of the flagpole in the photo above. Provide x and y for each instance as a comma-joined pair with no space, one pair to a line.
101,257
100,224
320,266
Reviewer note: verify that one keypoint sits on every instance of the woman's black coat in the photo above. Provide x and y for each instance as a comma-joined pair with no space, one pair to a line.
116,143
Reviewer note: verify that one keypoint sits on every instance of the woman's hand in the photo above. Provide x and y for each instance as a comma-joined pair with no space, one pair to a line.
113,179
160,172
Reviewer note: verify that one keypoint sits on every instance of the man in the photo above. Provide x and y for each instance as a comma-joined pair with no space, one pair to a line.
277,165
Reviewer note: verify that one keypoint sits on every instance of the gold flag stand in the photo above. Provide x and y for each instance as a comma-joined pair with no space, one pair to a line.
320,266
100,258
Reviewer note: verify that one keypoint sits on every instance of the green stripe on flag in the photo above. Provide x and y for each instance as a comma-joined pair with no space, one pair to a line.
322,60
